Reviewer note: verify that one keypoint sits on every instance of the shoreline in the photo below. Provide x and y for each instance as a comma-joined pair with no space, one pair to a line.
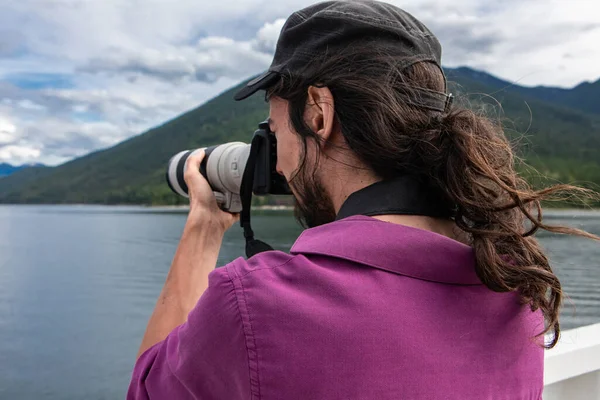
185,207
135,206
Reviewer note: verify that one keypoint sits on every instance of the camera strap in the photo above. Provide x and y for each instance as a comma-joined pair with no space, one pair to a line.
253,246
405,195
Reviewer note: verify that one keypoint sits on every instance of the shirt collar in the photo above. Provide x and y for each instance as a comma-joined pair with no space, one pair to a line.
395,248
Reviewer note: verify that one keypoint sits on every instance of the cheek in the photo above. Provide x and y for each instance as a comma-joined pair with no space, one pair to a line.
288,153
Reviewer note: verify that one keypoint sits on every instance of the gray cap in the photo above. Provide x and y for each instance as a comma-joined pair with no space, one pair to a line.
320,29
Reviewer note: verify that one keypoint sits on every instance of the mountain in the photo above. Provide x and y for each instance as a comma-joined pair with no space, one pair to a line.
133,171
8,169
562,142
584,97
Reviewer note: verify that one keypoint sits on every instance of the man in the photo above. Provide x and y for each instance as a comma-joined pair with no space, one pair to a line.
387,296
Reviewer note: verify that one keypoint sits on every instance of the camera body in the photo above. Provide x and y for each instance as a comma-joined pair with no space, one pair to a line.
224,167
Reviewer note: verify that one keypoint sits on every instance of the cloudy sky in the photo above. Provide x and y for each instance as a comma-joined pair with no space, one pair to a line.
79,75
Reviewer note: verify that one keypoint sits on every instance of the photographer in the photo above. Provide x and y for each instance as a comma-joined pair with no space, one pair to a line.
417,278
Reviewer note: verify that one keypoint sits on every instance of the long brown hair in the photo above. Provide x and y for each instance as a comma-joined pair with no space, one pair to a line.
462,152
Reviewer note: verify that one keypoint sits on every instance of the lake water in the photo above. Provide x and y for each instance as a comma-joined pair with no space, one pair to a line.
78,283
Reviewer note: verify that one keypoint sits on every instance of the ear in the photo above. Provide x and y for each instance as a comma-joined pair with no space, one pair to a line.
320,111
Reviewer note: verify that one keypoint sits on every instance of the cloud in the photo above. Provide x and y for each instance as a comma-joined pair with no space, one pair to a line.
527,40
18,154
62,124
266,38
165,65
7,131
208,60
10,42
78,75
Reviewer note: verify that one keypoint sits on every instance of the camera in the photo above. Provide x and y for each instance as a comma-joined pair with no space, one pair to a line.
234,168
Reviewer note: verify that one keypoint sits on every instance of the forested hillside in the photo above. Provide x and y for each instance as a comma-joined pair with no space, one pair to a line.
559,134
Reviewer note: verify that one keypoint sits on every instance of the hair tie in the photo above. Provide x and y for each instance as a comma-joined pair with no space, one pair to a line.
449,101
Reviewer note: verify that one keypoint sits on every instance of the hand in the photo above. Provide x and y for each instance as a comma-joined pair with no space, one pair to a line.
203,204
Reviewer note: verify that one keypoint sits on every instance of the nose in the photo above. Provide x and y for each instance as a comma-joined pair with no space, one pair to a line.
278,169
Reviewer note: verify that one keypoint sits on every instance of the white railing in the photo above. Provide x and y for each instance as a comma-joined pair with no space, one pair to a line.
572,368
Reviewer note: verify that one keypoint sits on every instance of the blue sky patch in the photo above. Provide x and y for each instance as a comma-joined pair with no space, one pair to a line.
87,116
36,81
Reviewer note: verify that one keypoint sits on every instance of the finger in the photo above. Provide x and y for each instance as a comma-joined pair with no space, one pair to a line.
195,159
193,163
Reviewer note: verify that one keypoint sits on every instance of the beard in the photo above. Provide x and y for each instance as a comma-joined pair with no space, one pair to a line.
312,204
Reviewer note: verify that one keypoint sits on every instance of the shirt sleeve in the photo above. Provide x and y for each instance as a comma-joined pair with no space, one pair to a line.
205,358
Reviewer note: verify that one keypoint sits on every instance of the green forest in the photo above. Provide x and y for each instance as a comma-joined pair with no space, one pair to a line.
557,132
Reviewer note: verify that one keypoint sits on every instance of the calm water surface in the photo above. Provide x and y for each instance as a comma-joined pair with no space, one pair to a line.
78,283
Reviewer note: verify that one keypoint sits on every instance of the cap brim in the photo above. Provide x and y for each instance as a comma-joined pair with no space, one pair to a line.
260,82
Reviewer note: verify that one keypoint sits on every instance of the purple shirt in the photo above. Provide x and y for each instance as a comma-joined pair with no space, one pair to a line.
360,309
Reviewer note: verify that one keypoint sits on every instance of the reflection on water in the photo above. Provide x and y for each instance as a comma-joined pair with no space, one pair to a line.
78,283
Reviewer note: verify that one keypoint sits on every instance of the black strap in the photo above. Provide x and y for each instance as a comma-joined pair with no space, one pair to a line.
405,195
253,246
